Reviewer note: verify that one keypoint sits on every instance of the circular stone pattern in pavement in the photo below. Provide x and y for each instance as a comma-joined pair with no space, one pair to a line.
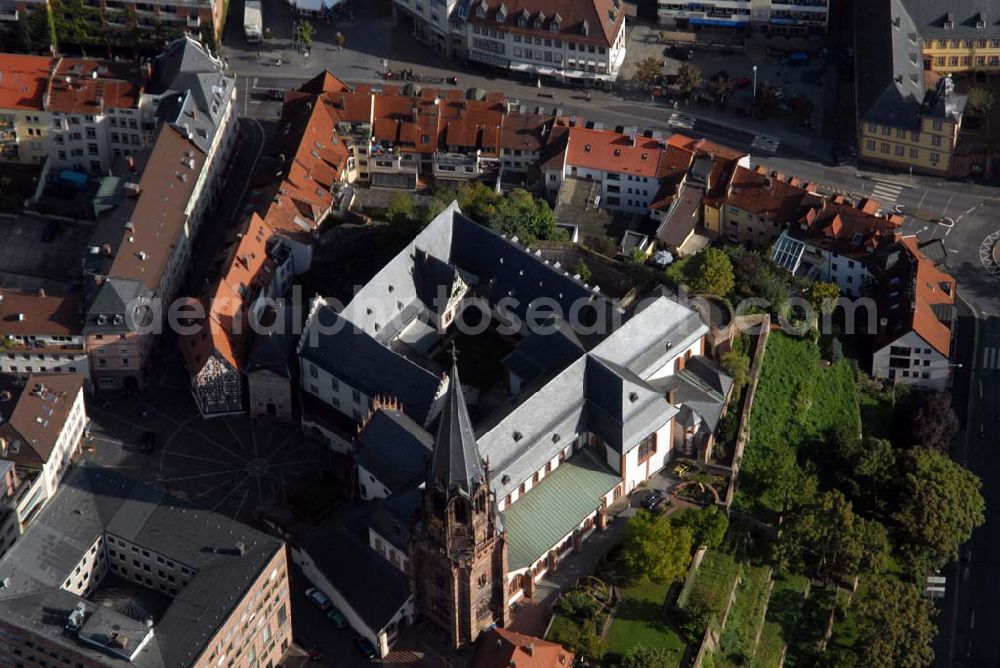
233,465
989,254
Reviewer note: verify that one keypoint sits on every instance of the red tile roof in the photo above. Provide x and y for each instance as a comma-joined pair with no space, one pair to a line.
246,270
159,216
839,227
35,414
82,86
23,80
502,648
611,151
44,313
921,290
765,195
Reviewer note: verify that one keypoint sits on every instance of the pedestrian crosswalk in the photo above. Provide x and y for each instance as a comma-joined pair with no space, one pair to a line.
766,143
681,121
886,193
991,358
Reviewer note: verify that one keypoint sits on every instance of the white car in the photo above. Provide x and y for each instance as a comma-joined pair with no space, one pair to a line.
319,598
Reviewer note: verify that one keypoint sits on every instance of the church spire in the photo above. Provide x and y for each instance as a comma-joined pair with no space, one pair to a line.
456,464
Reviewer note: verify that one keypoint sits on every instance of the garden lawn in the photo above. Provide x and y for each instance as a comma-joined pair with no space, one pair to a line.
746,616
712,582
640,621
811,626
564,631
796,401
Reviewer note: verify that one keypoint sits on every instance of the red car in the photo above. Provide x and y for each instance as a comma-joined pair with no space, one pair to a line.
742,82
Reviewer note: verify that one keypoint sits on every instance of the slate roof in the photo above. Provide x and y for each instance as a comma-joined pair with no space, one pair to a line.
111,297
544,350
92,501
394,448
700,389
930,16
456,465
555,507
373,587
362,362
194,89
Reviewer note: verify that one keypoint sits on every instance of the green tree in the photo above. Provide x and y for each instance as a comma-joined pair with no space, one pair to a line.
828,538
654,549
636,256
823,296
939,504
583,271
894,625
980,101
590,646
523,215
400,208
737,365
713,273
927,419
677,271
647,657
708,527
874,470
688,79
478,201
647,72
304,32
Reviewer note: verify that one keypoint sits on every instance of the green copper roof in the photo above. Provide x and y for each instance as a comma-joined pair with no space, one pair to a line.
561,501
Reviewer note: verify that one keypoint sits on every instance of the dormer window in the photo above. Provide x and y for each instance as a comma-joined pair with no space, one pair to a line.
522,20
502,13
949,21
481,12
537,25
556,24
856,239
586,148
585,28
981,21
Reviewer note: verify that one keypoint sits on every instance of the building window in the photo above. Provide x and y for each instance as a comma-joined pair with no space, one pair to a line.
870,145
914,153
883,147
356,396
647,448
899,151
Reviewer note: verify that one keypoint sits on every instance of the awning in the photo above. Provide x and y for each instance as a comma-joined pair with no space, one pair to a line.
725,23
488,59
553,509
783,22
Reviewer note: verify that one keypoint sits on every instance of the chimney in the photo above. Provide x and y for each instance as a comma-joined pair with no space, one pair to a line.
672,396
530,649
241,548
41,292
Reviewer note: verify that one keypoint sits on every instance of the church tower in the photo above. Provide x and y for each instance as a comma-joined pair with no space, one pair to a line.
458,553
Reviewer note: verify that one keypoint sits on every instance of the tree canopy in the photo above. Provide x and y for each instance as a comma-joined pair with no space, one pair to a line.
647,657
517,214
894,625
829,539
708,527
647,71
927,419
712,273
737,365
939,504
688,79
654,549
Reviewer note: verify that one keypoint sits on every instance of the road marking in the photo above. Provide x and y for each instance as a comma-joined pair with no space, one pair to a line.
947,204
922,198
766,143
886,192
681,121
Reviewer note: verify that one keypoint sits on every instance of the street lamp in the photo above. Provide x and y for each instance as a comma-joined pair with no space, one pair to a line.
753,100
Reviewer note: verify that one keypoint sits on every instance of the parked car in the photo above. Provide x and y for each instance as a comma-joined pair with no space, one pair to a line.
653,500
366,648
319,598
680,470
796,59
311,649
276,95
337,617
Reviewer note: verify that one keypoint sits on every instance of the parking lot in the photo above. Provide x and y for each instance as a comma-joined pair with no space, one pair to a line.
41,252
